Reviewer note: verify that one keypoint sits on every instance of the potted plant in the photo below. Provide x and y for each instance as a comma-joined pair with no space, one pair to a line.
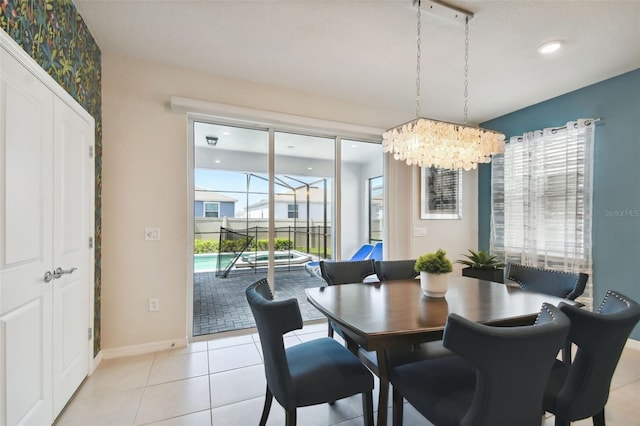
434,271
483,266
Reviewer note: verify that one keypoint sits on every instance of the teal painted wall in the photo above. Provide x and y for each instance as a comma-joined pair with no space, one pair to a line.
53,33
616,191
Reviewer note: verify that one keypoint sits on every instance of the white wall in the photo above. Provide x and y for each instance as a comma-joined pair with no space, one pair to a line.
454,236
144,183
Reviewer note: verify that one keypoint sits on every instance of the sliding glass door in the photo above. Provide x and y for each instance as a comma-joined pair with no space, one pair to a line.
266,204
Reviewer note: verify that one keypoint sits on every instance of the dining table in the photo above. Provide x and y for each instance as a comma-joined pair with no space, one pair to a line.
379,316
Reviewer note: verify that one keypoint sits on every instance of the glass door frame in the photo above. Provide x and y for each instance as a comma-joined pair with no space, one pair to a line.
272,128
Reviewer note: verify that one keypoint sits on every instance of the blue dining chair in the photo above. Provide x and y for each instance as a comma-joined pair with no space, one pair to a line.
314,372
567,285
346,272
580,389
389,270
498,378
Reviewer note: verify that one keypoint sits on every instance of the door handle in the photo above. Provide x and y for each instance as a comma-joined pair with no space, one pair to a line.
60,272
48,277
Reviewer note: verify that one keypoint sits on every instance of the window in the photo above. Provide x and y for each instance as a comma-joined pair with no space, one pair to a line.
211,209
292,211
376,201
541,198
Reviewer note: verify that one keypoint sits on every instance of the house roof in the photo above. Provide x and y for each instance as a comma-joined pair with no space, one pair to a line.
201,194
316,196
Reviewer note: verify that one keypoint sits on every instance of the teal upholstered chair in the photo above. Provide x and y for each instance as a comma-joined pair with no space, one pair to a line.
498,378
310,373
580,389
567,285
389,270
345,272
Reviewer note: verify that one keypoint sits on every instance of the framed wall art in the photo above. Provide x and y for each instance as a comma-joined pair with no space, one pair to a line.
440,193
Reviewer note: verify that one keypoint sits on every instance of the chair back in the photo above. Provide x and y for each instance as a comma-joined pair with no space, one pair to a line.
567,285
512,365
273,320
346,272
395,269
600,337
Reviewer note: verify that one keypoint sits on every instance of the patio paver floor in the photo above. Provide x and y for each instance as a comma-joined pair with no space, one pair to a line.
219,304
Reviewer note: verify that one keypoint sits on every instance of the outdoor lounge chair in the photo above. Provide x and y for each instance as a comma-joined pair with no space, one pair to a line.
313,268
376,253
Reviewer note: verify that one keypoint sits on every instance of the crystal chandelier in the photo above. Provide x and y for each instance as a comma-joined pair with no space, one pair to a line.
431,143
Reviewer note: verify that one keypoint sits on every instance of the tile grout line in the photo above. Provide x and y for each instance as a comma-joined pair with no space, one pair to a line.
144,388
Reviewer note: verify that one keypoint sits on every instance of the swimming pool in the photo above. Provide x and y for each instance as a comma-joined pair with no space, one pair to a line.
208,262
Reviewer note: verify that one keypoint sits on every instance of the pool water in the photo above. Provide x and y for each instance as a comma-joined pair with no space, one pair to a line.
209,262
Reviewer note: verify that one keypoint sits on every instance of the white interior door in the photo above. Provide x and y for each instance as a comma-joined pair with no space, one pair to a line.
72,227
25,245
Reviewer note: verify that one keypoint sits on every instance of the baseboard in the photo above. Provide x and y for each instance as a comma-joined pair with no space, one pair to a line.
144,348
633,344
95,362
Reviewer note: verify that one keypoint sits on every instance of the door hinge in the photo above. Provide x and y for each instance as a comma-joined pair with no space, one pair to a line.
90,242
90,333
91,151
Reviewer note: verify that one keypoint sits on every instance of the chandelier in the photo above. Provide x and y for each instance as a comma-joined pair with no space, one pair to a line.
431,143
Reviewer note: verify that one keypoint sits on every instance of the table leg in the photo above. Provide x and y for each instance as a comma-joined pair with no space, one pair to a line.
351,345
383,399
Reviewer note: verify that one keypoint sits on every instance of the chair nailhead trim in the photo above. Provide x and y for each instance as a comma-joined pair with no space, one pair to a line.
263,282
614,294
545,308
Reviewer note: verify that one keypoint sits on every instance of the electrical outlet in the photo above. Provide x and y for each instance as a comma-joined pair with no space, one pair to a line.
154,305
152,234
419,232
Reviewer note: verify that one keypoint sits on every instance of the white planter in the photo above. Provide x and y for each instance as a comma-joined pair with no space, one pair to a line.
434,285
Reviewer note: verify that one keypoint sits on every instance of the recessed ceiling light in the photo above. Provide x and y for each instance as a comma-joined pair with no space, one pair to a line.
217,161
550,47
309,168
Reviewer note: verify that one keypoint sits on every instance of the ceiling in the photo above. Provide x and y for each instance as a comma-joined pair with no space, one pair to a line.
364,51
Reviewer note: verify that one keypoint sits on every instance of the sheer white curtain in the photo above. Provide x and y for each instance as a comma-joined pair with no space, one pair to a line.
542,199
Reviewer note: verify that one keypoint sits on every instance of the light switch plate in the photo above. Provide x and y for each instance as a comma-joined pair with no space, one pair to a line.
419,232
152,234
154,305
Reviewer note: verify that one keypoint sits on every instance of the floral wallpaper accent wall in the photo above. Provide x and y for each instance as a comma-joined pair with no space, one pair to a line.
53,33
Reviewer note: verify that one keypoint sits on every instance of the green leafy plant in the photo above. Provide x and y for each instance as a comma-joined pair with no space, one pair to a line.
205,246
481,260
434,263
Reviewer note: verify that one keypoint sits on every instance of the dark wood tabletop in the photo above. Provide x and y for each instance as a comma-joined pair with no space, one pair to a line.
382,315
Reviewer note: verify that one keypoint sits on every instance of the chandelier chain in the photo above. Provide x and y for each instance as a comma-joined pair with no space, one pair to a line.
418,57
432,143
466,69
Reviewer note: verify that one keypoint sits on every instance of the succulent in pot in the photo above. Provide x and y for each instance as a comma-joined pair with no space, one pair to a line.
482,265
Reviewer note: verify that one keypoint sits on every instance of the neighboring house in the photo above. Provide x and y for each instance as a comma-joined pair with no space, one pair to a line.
290,205
212,204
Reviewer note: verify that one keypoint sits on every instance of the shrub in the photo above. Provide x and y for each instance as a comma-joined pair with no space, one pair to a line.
205,246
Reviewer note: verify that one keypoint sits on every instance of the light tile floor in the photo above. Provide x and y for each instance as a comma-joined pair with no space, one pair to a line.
221,382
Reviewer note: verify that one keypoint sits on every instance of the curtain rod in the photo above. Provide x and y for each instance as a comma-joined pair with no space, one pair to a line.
587,122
